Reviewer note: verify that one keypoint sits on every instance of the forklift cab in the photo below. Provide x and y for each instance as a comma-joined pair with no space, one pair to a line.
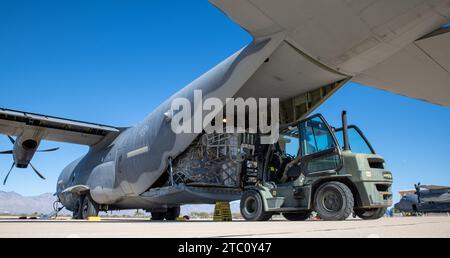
314,148
314,167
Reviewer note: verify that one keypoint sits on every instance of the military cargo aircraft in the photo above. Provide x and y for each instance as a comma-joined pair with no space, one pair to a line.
302,53
426,199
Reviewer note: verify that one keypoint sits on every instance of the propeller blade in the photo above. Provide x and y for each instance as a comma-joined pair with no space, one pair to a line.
11,139
6,178
37,172
49,150
6,152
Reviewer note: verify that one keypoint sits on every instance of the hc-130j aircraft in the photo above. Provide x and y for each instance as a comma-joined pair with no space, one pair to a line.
426,199
302,53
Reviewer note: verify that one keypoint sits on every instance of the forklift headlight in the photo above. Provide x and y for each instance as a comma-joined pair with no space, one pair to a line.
387,175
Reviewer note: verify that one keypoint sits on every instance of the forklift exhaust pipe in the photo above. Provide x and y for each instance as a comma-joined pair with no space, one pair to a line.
345,131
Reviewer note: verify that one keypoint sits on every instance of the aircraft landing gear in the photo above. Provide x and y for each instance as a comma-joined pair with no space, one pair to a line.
85,207
173,213
77,209
170,215
302,216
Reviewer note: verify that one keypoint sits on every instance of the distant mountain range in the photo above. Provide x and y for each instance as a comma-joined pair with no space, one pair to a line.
16,204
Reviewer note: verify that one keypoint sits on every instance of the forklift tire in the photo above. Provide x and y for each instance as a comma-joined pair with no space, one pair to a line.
89,208
334,201
172,214
297,216
370,214
252,207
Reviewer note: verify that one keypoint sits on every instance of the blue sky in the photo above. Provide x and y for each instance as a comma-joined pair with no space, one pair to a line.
113,62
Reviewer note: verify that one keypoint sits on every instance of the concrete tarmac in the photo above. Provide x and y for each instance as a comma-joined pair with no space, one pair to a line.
401,227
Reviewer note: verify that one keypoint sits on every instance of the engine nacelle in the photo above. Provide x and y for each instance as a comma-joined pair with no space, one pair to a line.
24,150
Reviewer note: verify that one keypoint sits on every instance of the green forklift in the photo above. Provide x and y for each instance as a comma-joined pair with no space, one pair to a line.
316,168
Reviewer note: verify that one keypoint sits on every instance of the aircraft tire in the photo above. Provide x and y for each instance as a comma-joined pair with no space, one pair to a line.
302,216
158,216
370,214
77,208
89,208
334,201
252,207
172,214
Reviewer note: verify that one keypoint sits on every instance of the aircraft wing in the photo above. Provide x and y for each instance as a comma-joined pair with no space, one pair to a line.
17,123
435,187
420,70
394,45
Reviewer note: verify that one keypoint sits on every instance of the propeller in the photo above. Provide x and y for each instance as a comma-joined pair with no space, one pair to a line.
10,151
49,150
6,178
14,164
37,172
11,139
